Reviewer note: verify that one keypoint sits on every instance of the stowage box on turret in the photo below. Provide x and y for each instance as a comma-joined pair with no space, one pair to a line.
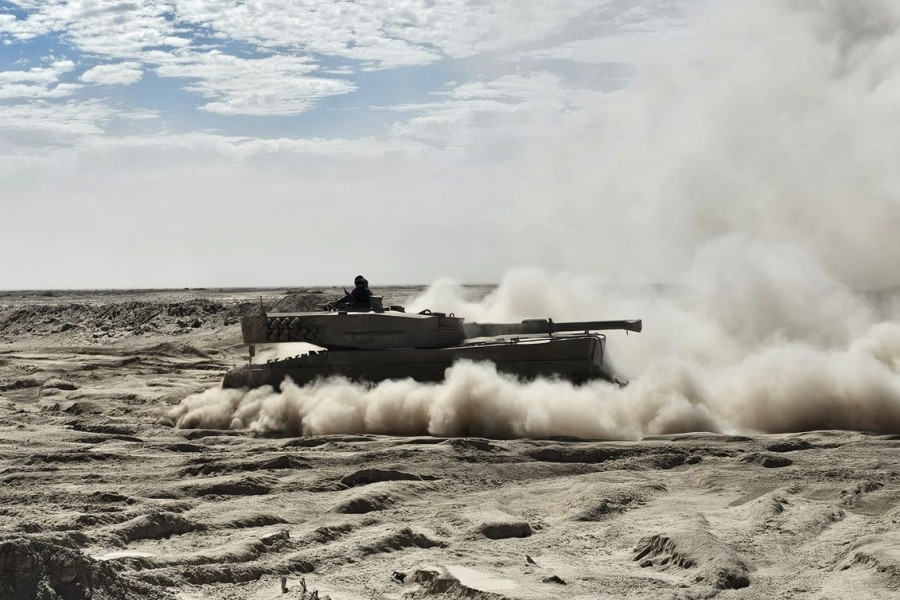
376,344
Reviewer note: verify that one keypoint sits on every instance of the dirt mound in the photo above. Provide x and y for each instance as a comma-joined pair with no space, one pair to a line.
400,539
300,302
184,447
667,460
880,554
75,457
19,383
248,486
367,476
223,573
34,570
254,521
766,460
580,454
716,564
445,585
213,467
366,503
600,504
790,445
106,319
852,496
500,530
59,384
329,533
154,527
472,444
104,428
174,349
196,434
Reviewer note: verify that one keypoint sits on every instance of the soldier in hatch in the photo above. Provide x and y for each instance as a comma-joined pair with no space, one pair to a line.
361,293
360,297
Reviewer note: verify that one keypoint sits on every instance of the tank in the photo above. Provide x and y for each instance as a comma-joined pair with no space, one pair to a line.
374,344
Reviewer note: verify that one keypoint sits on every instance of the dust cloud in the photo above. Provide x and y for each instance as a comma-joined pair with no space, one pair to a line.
759,183
698,367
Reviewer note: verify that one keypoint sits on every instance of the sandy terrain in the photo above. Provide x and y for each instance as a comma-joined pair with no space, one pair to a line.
101,499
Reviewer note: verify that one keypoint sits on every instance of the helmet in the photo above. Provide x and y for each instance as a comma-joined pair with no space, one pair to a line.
360,280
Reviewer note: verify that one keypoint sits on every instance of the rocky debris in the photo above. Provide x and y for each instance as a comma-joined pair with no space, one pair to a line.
554,579
36,570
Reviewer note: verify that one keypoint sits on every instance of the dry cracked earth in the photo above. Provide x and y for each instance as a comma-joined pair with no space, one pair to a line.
100,499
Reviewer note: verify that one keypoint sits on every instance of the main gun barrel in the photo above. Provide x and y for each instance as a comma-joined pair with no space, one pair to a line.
546,326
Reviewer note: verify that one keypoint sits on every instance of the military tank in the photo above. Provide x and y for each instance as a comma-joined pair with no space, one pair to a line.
375,343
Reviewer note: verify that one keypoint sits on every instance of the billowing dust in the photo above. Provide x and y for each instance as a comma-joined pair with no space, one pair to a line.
776,353
756,187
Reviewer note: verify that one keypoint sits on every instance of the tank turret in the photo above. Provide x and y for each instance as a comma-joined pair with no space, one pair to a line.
380,344
383,330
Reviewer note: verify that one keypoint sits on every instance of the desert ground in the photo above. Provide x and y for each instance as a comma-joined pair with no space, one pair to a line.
102,498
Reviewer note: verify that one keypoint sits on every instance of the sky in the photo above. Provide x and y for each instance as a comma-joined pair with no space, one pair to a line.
199,143
192,143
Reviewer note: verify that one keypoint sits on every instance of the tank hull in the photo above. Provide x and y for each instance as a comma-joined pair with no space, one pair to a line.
574,358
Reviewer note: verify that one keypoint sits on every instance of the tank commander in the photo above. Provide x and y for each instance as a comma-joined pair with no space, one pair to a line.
361,293
359,298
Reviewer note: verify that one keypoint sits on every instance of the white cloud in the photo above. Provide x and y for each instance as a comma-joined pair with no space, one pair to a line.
509,110
275,85
386,33
626,47
123,73
40,124
104,27
38,82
